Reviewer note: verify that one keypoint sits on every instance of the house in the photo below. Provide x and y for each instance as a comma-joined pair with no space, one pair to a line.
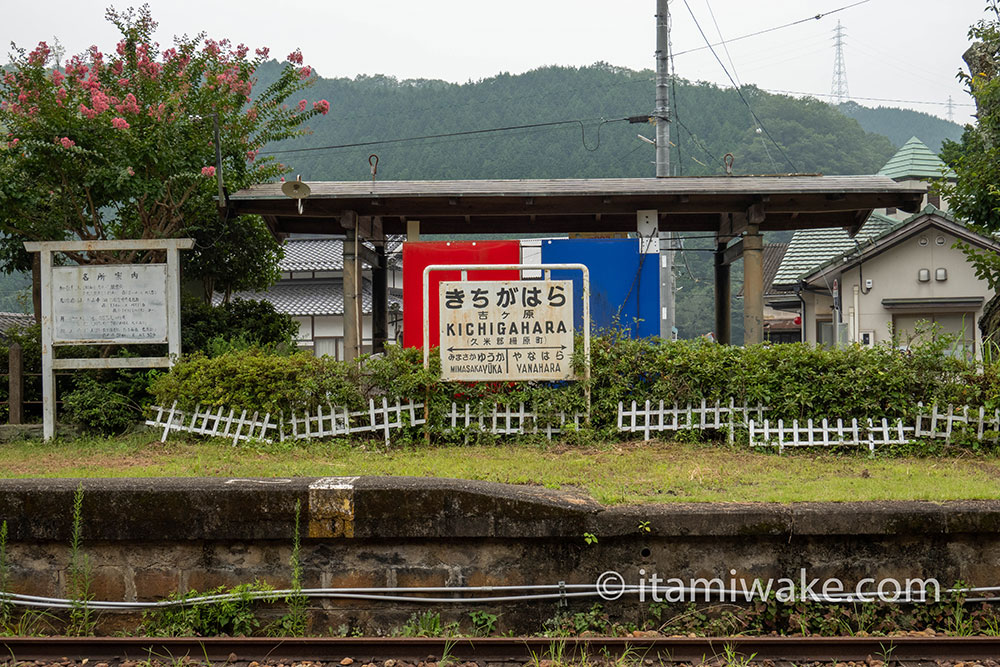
894,274
311,291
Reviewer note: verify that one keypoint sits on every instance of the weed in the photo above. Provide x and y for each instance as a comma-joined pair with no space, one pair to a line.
296,620
5,605
734,659
644,527
80,575
483,623
428,624
232,614
589,538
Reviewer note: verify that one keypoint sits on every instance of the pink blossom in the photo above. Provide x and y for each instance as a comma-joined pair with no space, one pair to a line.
128,105
252,113
123,82
99,100
322,106
57,77
130,171
87,113
263,52
295,57
208,171
305,72
302,105
67,142
14,142
252,155
120,123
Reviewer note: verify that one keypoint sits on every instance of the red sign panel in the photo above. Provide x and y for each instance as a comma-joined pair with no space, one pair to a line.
418,256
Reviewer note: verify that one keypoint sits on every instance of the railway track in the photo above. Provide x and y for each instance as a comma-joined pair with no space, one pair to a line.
364,650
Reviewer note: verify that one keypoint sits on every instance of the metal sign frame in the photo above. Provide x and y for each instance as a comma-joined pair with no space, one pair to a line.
546,270
46,250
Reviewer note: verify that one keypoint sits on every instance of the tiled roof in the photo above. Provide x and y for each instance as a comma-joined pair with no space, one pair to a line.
915,161
313,255
326,254
810,248
309,297
8,320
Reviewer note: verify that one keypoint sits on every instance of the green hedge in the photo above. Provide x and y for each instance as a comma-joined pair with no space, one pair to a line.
794,380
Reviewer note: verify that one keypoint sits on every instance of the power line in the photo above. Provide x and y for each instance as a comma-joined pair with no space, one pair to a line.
867,99
465,133
738,91
767,30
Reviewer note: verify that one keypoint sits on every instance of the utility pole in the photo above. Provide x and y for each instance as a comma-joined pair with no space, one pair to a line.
661,114
951,110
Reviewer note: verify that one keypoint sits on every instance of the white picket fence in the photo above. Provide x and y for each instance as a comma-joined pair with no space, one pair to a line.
508,420
651,417
930,425
875,433
335,421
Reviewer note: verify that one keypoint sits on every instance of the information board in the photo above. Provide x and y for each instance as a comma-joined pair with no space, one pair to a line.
506,330
109,303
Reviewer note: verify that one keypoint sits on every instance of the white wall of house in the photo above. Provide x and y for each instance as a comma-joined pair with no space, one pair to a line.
895,274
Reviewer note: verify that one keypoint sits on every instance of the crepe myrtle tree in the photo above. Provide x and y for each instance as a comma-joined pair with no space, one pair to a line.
120,146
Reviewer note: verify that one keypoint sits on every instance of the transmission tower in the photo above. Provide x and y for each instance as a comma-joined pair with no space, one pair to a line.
838,89
951,110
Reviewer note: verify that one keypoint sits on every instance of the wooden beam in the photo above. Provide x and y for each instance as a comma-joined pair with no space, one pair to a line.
732,253
349,277
380,301
723,296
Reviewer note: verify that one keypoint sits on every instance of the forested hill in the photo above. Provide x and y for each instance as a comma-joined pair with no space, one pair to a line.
812,136
901,124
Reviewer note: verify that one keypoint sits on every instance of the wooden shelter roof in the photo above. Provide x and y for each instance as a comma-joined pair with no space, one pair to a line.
582,205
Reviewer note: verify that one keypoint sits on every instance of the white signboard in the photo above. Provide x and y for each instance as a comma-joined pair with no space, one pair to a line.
110,303
506,330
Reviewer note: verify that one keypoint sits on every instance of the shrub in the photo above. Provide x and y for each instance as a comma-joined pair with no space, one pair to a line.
205,327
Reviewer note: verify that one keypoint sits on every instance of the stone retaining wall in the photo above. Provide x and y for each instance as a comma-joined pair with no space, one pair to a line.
148,538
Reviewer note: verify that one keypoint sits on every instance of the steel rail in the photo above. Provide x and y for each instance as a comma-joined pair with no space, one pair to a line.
497,649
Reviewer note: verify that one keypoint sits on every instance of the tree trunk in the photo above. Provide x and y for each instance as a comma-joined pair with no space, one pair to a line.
989,323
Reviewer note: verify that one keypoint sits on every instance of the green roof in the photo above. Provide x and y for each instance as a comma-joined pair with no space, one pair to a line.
811,248
915,161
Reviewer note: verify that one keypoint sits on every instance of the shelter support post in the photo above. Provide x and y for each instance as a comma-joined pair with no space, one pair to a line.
753,285
380,300
352,323
723,295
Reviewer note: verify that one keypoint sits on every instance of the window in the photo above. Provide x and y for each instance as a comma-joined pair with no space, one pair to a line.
957,328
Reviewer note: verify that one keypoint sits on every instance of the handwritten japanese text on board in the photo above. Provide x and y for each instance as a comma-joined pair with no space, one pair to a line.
113,303
507,330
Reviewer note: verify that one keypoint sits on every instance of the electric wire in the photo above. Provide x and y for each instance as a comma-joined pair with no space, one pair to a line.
738,91
867,99
465,133
539,592
739,83
767,30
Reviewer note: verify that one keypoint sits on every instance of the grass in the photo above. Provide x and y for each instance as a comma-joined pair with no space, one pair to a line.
615,473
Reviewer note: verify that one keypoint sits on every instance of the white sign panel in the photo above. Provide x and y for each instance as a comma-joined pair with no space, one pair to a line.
110,303
506,330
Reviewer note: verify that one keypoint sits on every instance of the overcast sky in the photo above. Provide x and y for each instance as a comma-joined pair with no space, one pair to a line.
893,49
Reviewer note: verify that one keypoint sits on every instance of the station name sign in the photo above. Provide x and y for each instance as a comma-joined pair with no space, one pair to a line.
506,330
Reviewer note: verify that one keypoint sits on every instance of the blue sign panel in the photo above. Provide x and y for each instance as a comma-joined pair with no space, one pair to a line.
624,283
